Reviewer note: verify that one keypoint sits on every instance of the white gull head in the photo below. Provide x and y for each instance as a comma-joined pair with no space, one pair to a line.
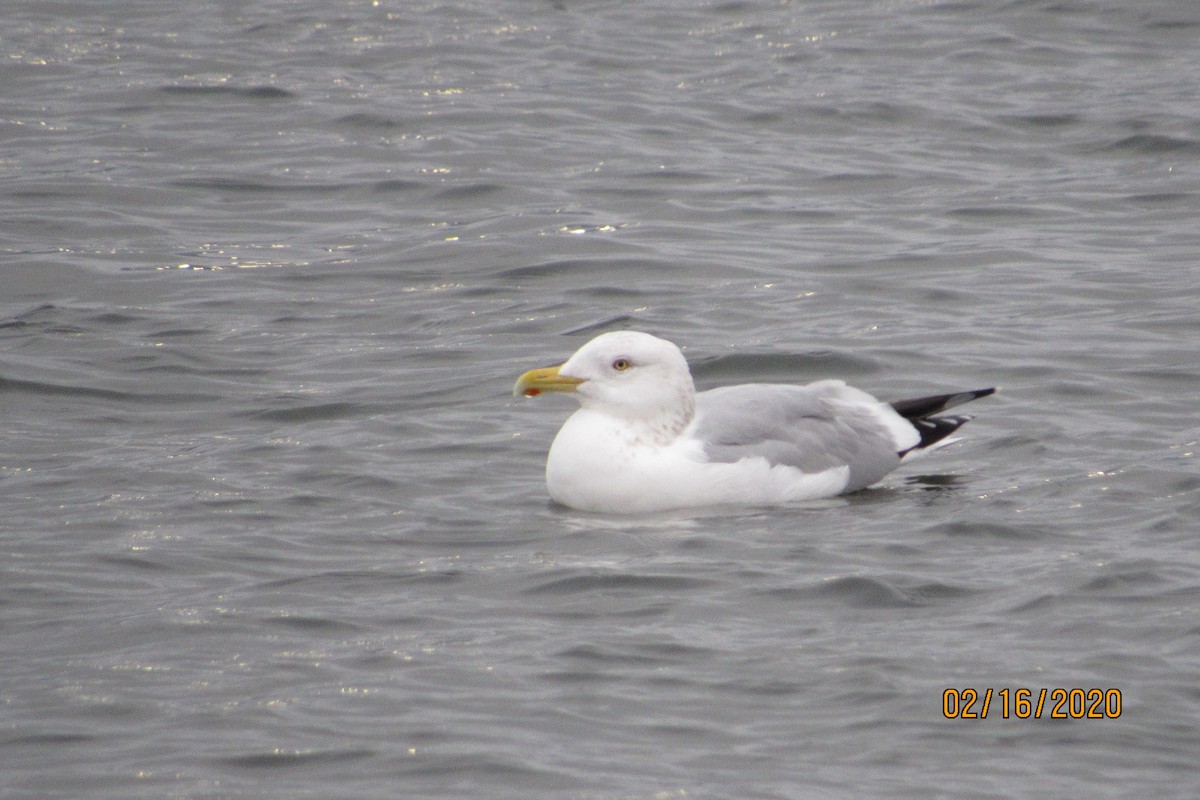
636,377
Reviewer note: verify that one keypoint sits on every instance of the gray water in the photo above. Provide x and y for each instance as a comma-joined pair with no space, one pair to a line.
273,526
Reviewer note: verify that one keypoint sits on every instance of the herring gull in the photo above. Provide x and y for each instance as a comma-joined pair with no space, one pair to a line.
644,440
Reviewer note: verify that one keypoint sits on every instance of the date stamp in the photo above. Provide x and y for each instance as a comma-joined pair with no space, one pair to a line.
1031,703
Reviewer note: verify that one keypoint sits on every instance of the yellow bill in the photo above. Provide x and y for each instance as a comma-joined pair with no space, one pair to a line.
546,379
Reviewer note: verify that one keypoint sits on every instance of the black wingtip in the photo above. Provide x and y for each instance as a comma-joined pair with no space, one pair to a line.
934,430
923,407
920,410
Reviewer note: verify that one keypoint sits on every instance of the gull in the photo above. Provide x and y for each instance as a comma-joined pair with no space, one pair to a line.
645,440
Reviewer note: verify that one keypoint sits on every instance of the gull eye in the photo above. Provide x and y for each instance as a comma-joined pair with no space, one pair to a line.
621,364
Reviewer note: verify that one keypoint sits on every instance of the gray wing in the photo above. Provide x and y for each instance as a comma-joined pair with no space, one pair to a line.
810,427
